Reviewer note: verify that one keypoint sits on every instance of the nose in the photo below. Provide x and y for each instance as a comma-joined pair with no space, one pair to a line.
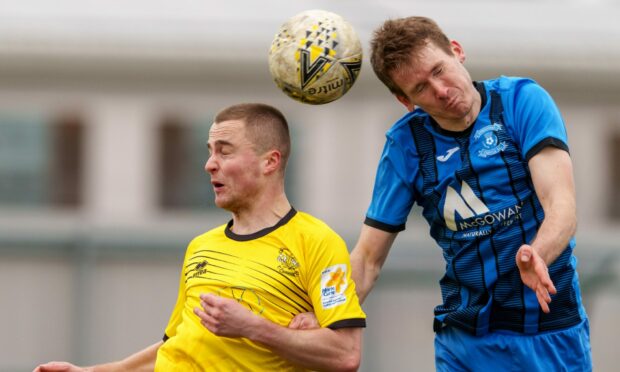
441,90
211,164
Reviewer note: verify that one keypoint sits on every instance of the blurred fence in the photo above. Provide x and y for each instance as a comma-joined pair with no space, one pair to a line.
96,297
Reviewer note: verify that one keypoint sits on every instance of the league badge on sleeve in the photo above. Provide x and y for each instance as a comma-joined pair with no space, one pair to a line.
333,285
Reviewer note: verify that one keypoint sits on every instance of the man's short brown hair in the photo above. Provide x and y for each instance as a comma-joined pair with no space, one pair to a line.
396,40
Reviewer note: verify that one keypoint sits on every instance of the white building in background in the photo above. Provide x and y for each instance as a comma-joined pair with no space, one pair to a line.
104,112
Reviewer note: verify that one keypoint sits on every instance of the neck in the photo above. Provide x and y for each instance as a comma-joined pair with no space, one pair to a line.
458,125
260,215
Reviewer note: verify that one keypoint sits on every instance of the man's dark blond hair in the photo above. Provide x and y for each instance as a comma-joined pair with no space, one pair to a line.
396,40
266,127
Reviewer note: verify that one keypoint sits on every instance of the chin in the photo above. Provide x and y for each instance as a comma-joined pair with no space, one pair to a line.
220,203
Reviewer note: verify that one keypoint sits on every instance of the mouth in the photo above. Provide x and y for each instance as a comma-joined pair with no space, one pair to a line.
217,186
452,102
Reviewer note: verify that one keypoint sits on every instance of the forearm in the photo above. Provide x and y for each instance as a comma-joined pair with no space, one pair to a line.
143,360
552,175
364,274
368,257
320,349
555,232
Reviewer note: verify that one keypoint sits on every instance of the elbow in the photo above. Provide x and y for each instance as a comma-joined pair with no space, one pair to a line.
572,224
350,362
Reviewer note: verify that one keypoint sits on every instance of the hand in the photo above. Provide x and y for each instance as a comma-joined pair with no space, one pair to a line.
534,274
225,317
304,321
59,367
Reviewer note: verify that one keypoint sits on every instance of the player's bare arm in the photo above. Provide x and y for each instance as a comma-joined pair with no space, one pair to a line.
552,175
142,361
317,349
368,257
304,321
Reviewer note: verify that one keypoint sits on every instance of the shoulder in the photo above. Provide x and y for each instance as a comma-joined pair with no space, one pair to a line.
306,221
507,83
214,233
400,133
403,124
514,86
313,227
520,94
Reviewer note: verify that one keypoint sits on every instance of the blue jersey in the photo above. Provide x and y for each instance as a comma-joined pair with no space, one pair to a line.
477,195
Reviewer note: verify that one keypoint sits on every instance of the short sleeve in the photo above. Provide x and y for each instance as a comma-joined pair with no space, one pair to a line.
392,196
537,120
331,289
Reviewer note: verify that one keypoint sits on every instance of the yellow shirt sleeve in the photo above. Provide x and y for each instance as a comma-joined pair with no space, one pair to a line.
331,289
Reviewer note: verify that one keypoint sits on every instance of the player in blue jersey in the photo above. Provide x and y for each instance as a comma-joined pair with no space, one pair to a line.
488,163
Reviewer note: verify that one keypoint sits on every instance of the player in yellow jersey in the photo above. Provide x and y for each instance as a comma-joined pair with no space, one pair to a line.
242,283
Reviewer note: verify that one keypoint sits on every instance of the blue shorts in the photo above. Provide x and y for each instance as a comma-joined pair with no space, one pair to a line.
563,350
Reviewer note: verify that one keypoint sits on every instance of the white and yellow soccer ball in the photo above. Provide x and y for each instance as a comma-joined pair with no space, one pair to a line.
315,57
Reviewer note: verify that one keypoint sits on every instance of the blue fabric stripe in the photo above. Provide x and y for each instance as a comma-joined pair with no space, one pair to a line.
531,311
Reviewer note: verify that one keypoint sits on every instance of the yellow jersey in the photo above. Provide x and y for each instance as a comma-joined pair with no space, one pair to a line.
296,266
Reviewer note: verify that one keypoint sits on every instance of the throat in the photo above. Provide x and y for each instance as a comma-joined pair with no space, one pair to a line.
453,128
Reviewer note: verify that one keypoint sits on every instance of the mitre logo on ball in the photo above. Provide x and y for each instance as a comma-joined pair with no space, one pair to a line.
315,57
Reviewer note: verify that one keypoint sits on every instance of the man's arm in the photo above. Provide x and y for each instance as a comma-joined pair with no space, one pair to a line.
552,175
143,360
317,349
368,257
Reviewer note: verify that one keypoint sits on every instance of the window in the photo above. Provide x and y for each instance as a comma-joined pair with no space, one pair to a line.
40,160
184,182
614,194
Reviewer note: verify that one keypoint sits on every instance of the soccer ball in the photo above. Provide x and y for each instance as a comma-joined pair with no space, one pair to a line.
315,57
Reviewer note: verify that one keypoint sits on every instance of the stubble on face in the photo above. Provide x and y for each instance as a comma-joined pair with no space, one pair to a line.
439,84
235,179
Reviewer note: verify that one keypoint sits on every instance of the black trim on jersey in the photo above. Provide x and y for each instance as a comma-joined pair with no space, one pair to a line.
165,338
483,93
348,323
511,162
451,133
383,226
549,141
474,181
464,133
427,152
259,234
496,115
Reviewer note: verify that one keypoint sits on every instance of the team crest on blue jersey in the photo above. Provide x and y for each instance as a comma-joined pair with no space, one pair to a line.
490,142
287,263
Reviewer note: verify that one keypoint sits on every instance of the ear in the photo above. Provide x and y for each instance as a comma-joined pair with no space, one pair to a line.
272,161
406,102
458,50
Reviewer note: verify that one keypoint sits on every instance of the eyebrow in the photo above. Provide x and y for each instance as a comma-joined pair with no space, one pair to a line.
221,142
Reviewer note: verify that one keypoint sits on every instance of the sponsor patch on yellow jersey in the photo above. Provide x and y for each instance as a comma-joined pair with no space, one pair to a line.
333,285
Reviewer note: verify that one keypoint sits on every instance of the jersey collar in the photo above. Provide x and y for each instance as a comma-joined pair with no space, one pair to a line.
260,233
